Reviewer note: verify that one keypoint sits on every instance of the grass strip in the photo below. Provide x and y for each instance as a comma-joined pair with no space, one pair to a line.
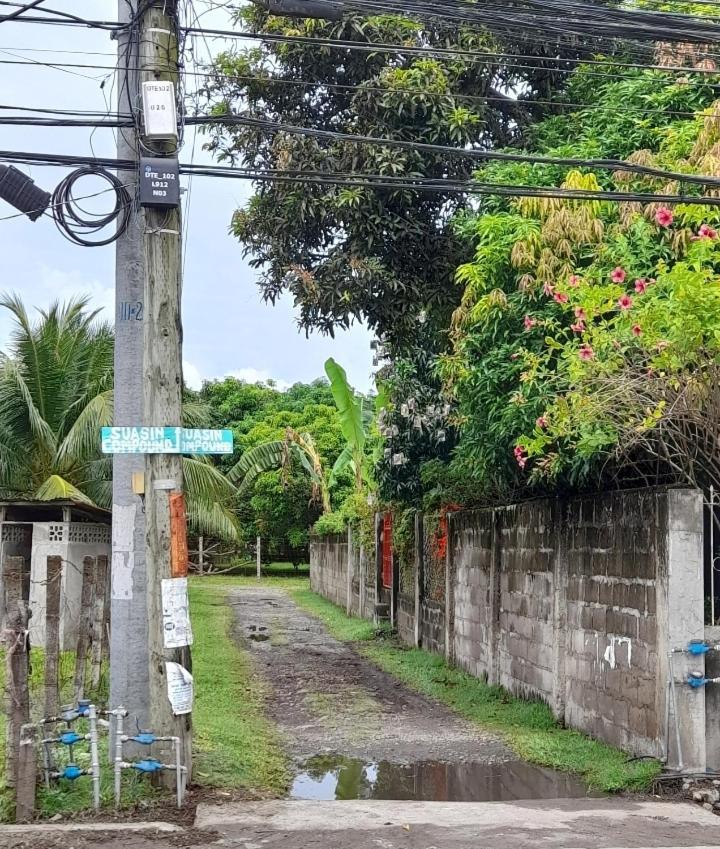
236,746
528,727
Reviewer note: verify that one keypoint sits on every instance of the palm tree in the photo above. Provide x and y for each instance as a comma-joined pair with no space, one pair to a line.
279,454
55,395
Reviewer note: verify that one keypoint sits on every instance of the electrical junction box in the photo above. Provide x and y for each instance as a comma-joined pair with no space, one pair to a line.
159,182
159,111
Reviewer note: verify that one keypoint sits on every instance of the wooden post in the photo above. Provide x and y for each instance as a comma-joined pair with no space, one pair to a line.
258,557
201,553
162,392
52,634
87,604
17,696
102,579
26,774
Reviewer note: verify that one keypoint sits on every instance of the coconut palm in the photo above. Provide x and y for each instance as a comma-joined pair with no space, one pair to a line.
279,454
55,395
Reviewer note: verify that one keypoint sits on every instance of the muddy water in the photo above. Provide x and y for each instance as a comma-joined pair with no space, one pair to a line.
328,778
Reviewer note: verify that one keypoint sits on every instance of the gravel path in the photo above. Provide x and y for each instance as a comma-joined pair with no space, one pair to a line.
326,698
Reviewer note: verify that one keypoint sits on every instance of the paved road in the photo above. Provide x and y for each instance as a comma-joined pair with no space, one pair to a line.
558,824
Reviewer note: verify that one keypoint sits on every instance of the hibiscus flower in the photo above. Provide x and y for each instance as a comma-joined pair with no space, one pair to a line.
664,217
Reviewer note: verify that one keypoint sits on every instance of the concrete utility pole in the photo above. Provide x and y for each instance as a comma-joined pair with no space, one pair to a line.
162,398
128,608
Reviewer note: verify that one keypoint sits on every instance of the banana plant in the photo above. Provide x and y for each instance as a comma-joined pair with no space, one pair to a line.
279,454
355,420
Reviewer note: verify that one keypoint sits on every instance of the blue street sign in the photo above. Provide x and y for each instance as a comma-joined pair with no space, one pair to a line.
165,440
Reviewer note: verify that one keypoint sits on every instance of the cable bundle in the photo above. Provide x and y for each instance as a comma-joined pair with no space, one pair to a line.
75,223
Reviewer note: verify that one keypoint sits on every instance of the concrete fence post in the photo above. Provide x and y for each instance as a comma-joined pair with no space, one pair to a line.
493,671
680,609
560,584
87,605
349,572
17,694
449,593
419,577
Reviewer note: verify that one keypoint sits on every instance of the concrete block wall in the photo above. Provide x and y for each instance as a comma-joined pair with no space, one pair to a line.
526,538
328,568
579,602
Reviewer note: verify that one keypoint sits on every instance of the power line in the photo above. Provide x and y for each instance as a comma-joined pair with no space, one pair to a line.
405,144
26,8
370,181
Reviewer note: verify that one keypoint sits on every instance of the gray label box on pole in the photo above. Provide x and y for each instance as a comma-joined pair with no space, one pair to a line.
159,182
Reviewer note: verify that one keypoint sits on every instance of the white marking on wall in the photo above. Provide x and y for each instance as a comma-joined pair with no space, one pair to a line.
123,550
610,656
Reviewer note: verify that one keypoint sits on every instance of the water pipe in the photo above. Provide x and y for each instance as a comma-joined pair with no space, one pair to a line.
698,648
150,766
673,690
119,713
94,756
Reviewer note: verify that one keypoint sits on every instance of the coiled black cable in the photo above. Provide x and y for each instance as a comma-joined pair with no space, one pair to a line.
75,223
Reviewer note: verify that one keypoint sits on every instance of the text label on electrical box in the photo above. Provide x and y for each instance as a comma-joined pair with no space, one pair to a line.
159,182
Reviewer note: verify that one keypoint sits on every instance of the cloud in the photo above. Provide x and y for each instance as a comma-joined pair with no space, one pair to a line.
253,375
194,377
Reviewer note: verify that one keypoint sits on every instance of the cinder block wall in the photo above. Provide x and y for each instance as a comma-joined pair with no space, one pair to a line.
579,602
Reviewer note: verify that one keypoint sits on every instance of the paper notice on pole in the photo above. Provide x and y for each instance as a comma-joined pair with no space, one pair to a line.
123,551
180,688
177,631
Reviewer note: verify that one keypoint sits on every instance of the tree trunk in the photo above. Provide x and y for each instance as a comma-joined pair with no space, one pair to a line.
27,774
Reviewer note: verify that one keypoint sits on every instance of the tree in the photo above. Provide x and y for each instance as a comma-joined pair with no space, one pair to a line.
353,253
586,343
55,395
354,421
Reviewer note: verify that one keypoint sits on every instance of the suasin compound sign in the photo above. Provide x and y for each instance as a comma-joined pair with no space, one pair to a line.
165,440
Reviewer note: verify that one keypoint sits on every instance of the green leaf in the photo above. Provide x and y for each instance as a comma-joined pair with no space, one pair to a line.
348,406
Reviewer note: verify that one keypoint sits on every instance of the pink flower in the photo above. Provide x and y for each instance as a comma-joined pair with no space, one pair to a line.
580,313
578,327
586,352
625,302
636,330
706,232
520,456
641,285
548,289
618,275
664,217
574,281
530,322
561,297
541,422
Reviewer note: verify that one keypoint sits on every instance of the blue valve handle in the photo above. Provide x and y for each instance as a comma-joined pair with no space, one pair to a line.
698,681
698,647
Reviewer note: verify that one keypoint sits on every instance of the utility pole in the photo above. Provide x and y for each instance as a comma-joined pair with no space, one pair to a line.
162,385
128,608
148,391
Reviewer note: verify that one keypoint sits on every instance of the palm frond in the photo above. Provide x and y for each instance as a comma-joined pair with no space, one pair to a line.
83,438
262,458
56,488
213,520
196,414
18,410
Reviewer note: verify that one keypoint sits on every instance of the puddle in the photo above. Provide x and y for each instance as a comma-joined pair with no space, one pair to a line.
329,778
257,634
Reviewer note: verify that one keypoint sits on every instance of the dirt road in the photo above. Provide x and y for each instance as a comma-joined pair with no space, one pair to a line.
328,699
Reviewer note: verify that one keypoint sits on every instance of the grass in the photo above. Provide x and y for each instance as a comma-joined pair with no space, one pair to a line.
528,727
236,746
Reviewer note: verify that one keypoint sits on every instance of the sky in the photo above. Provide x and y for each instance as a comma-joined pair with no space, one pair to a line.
228,330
